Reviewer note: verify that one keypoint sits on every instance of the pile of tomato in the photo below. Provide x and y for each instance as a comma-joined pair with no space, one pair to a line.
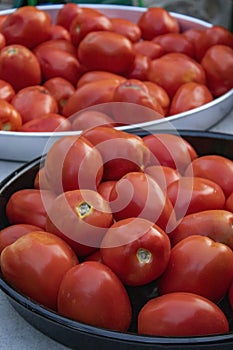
126,232
52,70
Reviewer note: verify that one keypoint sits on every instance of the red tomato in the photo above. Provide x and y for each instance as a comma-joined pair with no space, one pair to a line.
58,32
149,48
91,293
219,77
162,316
7,91
10,118
66,14
194,194
105,50
156,21
33,201
2,19
11,233
34,101
139,67
214,167
198,265
158,93
175,42
229,203
50,122
61,89
35,265
215,224
189,96
2,41
230,295
96,256
126,28
90,118
105,188
19,67
94,93
121,152
40,180
80,217
27,25
59,44
137,250
137,194
91,76
163,175
169,150
182,69
194,36
63,174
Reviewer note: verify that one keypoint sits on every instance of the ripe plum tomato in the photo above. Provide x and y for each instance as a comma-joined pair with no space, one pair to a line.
137,251
33,101
214,167
175,42
194,194
59,44
35,265
105,188
105,50
194,35
163,175
96,256
49,122
27,25
156,21
19,67
91,76
215,224
58,32
61,89
2,19
126,28
93,93
159,94
66,14
169,150
161,316
90,118
11,233
219,77
7,91
10,118
149,48
40,180
137,194
65,174
198,265
121,152
188,96
2,41
229,203
139,67
91,293
182,69
80,217
33,201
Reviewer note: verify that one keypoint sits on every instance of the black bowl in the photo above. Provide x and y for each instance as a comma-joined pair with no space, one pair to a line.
81,336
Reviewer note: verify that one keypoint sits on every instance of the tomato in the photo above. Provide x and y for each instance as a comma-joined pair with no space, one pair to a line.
19,67
66,14
61,89
51,122
182,69
158,93
90,118
198,265
149,48
2,19
33,201
215,224
230,295
194,36
169,150
215,35
60,44
163,175
86,22
92,76
127,28
11,233
7,91
139,67
162,316
94,93
229,203
156,21
63,174
137,250
10,118
33,101
2,41
105,188
214,167
58,32
27,26
58,63
175,42
194,194
188,96
35,265
91,293
219,77
96,256
121,152
136,194
105,50
40,180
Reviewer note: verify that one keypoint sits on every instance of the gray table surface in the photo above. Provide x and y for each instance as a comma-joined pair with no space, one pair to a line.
15,332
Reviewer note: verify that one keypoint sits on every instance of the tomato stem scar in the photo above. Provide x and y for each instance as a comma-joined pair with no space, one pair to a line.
83,209
144,256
